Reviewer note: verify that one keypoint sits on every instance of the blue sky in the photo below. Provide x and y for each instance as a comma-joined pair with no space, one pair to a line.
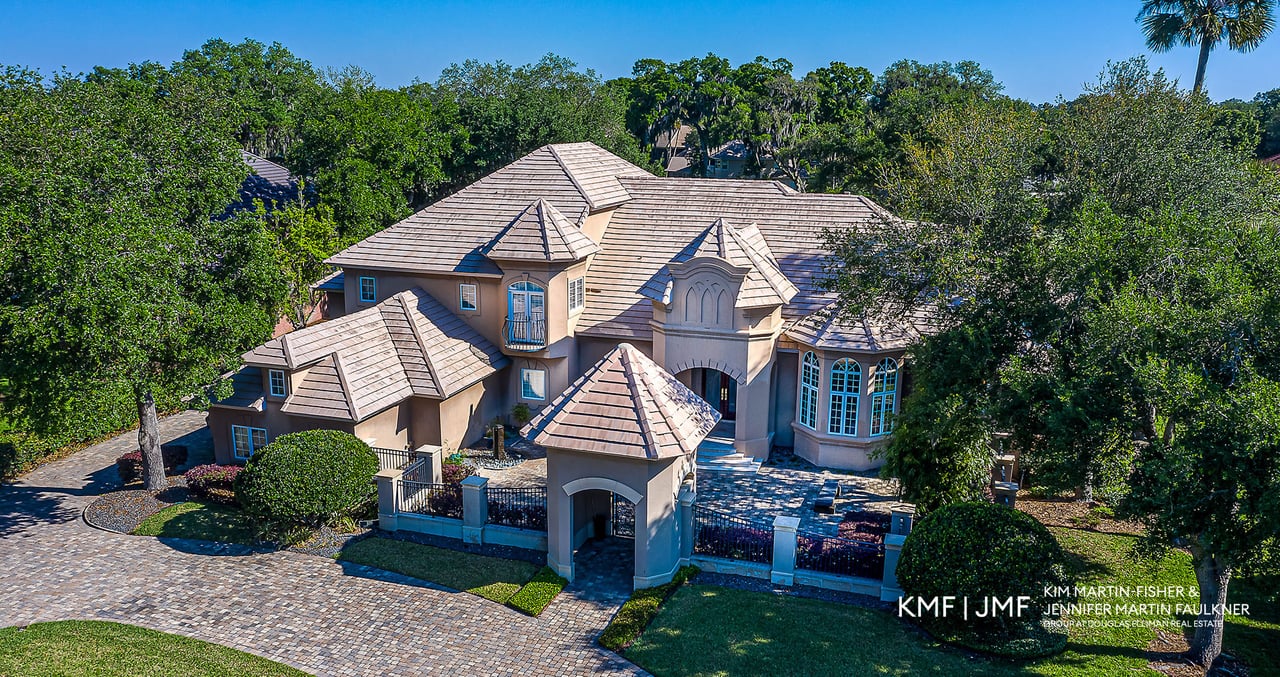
1037,49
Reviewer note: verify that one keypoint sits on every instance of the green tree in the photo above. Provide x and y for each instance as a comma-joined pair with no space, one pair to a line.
1244,24
511,111
701,92
375,155
116,283
305,235
1118,317
268,86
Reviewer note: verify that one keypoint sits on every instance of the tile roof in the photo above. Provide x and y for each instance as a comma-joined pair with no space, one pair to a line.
448,236
268,182
764,285
828,329
335,281
541,233
665,214
625,405
247,393
364,362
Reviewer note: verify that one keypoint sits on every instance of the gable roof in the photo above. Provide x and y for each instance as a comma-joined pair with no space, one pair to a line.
267,181
362,363
449,236
764,285
625,405
541,233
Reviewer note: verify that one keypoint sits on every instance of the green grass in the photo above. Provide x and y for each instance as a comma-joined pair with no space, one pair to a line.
202,521
537,594
492,578
68,648
638,611
705,630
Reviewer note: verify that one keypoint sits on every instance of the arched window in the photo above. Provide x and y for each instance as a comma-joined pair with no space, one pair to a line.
846,382
809,375
884,396
526,315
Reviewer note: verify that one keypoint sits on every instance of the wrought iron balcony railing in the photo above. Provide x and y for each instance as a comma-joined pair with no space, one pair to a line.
525,332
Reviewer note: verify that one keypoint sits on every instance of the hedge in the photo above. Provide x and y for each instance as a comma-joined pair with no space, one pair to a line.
636,613
309,478
982,551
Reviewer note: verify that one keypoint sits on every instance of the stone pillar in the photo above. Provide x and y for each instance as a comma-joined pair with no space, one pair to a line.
784,550
889,589
432,457
475,508
388,482
901,518
751,429
1006,493
686,498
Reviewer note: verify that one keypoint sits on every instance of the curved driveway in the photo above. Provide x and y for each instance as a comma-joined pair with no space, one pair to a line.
315,614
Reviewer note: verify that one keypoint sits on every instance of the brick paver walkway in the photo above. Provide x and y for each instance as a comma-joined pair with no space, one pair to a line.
318,615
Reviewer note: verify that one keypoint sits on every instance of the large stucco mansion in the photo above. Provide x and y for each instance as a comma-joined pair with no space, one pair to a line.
506,292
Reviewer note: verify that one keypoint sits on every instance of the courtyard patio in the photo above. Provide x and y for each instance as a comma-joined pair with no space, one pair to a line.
785,485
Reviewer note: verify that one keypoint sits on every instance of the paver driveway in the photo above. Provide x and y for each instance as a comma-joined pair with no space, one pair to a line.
309,612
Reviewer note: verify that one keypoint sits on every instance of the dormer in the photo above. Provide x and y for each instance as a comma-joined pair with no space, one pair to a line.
725,278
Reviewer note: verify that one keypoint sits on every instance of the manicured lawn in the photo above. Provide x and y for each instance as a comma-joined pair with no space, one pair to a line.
493,578
705,630
201,521
69,648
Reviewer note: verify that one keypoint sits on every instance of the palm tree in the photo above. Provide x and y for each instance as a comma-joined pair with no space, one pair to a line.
1244,24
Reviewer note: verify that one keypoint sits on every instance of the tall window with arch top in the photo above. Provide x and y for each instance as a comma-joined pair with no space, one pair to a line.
809,375
846,382
884,396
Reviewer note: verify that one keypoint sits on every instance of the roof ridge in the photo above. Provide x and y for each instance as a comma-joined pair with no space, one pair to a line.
547,220
346,387
633,377
288,352
569,173
422,344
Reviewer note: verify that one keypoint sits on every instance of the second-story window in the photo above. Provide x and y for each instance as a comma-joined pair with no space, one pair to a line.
468,296
368,290
577,294
275,378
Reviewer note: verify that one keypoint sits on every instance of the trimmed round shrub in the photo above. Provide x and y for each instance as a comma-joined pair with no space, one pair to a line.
310,478
981,552
213,483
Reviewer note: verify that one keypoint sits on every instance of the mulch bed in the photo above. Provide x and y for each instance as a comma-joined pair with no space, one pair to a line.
328,543
122,511
1071,514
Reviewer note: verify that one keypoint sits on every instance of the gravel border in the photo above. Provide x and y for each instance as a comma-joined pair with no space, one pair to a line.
123,510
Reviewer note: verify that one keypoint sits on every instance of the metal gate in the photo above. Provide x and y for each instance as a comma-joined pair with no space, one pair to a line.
623,517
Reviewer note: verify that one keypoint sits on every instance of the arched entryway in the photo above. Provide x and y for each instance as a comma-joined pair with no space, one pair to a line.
719,389
604,550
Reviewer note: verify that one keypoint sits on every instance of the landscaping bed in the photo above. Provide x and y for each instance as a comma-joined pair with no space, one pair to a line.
72,648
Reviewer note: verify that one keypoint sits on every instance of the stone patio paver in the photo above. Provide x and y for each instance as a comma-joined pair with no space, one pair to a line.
321,616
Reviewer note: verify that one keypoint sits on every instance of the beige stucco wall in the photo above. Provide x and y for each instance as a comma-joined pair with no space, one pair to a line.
655,483
220,420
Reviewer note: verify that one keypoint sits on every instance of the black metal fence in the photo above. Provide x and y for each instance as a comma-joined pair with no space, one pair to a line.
623,517
835,555
519,507
720,535
525,332
441,500
393,459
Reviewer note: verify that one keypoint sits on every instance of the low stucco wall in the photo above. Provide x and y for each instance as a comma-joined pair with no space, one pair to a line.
831,451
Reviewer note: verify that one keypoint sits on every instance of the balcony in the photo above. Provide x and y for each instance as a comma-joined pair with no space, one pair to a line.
527,333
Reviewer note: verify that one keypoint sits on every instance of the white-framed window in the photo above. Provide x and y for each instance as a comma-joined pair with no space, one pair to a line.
884,396
276,381
468,296
368,289
577,294
246,440
846,383
809,376
533,384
